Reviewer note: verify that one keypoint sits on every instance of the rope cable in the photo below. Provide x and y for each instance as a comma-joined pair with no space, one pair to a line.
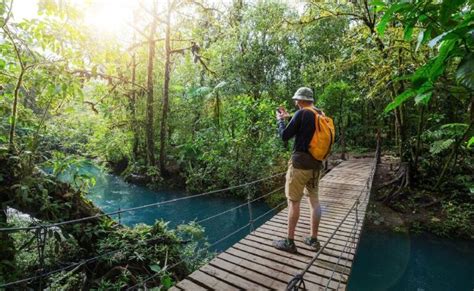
59,269
239,206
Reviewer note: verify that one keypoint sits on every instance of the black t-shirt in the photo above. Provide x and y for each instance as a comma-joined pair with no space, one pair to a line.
302,127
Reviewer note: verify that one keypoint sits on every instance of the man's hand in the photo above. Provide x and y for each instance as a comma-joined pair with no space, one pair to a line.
282,113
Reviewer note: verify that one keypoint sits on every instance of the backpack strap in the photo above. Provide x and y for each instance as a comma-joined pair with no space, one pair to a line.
316,116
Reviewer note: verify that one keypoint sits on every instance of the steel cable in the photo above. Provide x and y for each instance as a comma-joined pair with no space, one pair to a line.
14,229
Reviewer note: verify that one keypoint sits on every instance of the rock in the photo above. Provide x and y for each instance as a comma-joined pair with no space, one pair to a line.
137,179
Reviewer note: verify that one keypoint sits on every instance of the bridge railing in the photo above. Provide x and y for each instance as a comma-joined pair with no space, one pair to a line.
41,230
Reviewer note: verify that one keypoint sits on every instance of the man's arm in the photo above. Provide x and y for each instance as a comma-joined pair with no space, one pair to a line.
286,132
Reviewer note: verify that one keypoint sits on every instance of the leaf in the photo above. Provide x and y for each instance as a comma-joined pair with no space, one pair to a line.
155,268
439,62
408,32
456,33
400,99
465,71
419,39
199,92
424,93
422,74
423,98
437,39
377,3
220,85
455,125
388,16
167,282
470,142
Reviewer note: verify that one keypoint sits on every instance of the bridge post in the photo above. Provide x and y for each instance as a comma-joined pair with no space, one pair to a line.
249,204
378,147
357,210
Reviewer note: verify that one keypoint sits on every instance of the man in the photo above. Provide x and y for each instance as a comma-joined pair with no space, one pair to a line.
303,172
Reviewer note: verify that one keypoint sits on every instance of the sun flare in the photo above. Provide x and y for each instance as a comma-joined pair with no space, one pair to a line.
109,17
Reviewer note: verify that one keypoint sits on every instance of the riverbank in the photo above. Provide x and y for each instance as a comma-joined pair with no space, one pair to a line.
415,211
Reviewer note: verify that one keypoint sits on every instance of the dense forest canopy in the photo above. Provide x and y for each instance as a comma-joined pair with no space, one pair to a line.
184,93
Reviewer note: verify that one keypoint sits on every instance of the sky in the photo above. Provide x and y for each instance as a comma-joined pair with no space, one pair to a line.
108,18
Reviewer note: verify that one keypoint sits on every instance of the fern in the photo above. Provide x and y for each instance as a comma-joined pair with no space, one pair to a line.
441,145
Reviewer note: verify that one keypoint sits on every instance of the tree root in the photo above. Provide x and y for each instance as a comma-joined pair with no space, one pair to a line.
399,184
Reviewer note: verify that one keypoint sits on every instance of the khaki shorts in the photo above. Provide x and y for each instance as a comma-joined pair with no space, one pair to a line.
299,182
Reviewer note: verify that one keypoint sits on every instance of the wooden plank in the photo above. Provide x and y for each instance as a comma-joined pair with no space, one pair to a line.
188,285
211,281
326,217
280,268
271,228
344,230
335,245
246,268
229,277
327,228
265,245
303,249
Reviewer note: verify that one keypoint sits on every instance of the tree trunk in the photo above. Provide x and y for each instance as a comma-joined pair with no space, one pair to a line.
133,108
418,140
166,84
341,128
150,139
14,109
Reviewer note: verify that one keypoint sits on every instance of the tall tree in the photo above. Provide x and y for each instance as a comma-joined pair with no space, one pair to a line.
166,89
194,48
149,128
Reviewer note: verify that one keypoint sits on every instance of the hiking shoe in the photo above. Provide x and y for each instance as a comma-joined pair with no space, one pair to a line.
285,245
312,242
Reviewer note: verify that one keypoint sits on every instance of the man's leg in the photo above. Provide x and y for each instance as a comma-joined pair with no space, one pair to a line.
311,191
293,216
295,181
315,209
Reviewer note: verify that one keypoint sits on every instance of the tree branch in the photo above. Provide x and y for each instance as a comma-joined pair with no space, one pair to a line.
9,14
89,74
181,50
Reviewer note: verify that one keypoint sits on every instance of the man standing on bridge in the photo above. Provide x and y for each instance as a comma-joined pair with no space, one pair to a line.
302,177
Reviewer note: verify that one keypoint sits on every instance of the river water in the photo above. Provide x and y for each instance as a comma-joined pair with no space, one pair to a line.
385,261
397,261
111,193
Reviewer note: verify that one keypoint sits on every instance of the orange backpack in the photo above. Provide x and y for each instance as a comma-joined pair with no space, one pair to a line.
323,137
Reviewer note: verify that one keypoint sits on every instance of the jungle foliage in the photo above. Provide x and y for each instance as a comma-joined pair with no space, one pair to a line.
189,100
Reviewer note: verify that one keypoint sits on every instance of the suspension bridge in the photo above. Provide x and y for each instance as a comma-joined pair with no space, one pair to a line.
252,263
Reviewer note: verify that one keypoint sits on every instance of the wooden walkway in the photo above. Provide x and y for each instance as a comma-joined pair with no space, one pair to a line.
253,263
